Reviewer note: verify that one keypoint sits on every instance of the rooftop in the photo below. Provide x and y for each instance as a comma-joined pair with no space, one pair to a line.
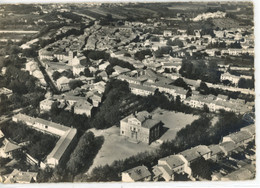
138,173
240,136
172,161
228,146
9,146
62,144
18,176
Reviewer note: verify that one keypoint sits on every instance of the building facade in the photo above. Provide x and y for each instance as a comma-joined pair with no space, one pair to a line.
140,127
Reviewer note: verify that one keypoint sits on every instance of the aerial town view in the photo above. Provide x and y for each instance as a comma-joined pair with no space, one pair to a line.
127,92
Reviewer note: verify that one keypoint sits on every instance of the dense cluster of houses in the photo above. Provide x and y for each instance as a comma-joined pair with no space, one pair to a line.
80,100
180,163
147,84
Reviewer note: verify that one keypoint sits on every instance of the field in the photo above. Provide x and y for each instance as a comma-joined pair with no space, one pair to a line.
173,121
225,23
117,147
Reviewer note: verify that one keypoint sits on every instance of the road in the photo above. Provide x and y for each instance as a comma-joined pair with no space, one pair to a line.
48,80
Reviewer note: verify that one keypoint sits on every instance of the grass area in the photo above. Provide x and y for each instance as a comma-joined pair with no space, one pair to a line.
225,23
116,147
173,122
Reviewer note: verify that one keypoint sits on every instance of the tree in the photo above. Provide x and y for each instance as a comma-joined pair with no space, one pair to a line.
201,168
140,55
109,69
181,83
86,73
56,75
246,83
203,89
205,108
85,150
73,84
30,52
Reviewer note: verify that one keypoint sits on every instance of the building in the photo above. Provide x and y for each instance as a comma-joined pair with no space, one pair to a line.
195,153
216,152
9,148
63,83
141,90
46,104
139,173
228,147
250,129
78,60
141,127
77,69
66,135
6,92
167,33
239,138
83,107
167,166
18,176
232,78
62,148
244,173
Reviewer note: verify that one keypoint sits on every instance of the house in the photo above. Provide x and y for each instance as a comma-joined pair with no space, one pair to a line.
119,70
6,92
103,75
203,151
250,129
167,33
195,153
44,54
222,97
243,173
83,107
18,176
139,173
216,152
9,148
95,97
63,83
171,66
103,66
228,147
141,89
99,87
232,78
77,69
78,60
46,104
141,127
239,138
169,165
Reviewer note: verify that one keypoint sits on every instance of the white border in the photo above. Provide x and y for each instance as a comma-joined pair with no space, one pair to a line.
237,184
